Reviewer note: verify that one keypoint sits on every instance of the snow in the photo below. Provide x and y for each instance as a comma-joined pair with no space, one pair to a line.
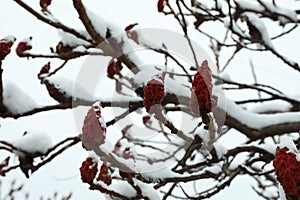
80,48
215,169
282,195
33,142
289,143
71,40
145,75
235,27
9,38
174,87
260,26
70,88
271,106
16,100
147,190
220,149
287,14
208,136
27,41
261,120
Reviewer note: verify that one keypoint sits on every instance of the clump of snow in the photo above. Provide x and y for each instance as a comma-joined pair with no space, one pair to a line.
80,49
16,100
27,41
260,26
215,169
257,121
33,142
147,189
289,143
225,76
208,136
73,41
9,38
220,149
288,15
272,106
145,74
173,87
70,88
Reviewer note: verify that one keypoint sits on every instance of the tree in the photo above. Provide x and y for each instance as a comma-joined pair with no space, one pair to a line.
162,134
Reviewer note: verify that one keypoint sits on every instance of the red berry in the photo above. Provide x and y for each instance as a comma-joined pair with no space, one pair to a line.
146,119
45,70
44,4
202,101
93,131
24,46
104,174
88,170
129,27
287,169
114,68
160,5
62,48
5,45
154,92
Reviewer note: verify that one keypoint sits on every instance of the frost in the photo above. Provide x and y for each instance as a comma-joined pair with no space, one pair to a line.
33,142
16,100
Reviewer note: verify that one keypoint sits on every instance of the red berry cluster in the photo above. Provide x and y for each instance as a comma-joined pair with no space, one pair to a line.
154,92
93,132
287,169
62,48
202,101
88,170
23,46
44,4
104,174
5,45
45,70
114,68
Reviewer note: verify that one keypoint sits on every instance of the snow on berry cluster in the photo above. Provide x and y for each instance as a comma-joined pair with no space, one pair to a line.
89,170
154,92
287,167
5,45
94,128
202,101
